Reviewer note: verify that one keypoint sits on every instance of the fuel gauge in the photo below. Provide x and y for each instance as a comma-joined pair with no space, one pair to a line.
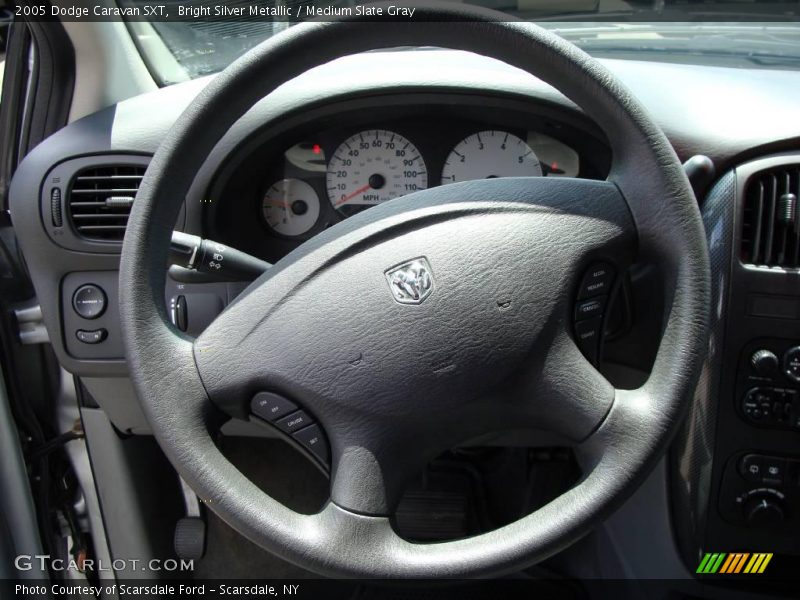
290,207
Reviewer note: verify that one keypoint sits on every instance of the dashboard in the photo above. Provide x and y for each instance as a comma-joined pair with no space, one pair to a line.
279,190
280,176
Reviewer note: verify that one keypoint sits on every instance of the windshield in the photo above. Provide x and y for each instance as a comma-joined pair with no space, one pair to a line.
189,40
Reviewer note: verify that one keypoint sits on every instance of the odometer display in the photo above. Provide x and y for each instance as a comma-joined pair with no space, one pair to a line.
372,167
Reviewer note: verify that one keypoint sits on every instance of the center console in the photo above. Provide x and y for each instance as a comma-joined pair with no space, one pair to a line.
736,467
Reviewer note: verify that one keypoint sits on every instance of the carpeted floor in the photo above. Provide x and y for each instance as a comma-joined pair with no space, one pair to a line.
288,477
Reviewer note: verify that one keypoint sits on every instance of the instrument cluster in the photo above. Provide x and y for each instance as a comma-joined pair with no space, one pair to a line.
327,178
291,180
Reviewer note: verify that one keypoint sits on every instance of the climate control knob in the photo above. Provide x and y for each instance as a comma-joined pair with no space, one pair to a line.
791,363
764,363
763,511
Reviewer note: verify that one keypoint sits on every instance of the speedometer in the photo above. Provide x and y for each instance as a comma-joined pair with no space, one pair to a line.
372,167
489,154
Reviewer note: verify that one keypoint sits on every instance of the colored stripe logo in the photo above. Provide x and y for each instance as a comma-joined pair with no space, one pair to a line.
735,562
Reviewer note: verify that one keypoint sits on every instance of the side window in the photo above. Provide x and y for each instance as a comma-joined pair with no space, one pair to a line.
6,16
37,65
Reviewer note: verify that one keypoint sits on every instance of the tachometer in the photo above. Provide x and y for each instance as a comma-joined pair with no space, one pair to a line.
489,154
372,167
290,207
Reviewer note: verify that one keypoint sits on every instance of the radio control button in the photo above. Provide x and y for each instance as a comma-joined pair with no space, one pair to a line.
764,363
596,281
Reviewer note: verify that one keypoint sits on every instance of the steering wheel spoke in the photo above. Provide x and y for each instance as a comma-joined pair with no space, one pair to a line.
565,393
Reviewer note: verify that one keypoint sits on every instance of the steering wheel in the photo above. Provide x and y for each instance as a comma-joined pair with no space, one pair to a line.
485,344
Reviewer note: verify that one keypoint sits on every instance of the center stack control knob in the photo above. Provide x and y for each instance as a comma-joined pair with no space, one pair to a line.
764,511
791,363
765,363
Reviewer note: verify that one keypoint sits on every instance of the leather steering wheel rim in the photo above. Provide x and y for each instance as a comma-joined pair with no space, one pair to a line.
646,208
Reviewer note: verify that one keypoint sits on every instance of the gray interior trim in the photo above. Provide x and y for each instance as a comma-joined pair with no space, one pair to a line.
125,523
116,397
76,450
162,63
16,502
109,69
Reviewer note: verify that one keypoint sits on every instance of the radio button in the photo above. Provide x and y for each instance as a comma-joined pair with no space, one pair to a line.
596,281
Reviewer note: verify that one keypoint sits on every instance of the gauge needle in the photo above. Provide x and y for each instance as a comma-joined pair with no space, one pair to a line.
360,190
278,204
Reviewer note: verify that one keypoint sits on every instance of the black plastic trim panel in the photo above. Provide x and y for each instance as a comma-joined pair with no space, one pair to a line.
110,346
744,331
692,454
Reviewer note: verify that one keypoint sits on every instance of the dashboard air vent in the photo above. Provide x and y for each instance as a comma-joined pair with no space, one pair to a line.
99,200
771,222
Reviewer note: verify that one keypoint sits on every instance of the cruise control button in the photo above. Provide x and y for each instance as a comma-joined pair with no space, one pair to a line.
589,309
313,439
91,337
271,406
596,281
296,420
89,301
752,468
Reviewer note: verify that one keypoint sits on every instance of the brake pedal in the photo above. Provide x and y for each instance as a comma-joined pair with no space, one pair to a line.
190,531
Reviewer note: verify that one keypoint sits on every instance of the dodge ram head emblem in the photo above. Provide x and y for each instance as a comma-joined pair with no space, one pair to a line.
412,281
